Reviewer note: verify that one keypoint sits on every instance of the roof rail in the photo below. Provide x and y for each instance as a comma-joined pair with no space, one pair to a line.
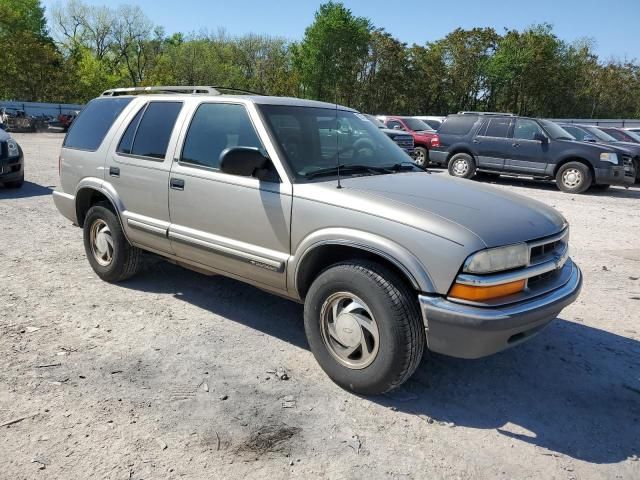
502,114
198,89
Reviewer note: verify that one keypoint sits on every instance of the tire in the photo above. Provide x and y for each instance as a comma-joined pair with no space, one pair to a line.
421,156
574,177
462,165
15,183
600,187
119,260
391,304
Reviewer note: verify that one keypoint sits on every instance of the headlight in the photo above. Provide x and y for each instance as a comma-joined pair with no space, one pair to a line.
609,157
498,259
14,151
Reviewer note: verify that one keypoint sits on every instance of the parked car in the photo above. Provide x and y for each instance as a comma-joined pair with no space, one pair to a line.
621,134
433,121
423,135
65,120
589,133
388,259
633,129
403,140
508,144
11,162
19,121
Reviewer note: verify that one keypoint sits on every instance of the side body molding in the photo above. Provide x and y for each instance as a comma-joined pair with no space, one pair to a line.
415,271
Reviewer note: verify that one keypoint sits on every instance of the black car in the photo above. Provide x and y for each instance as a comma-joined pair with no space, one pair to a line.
513,145
590,133
11,162
402,139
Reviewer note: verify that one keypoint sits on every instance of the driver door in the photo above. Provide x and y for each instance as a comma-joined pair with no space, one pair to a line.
236,225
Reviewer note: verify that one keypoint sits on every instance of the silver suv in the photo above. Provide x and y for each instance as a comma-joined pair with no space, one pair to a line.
312,202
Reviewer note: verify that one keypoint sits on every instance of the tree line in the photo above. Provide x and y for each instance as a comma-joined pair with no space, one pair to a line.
78,50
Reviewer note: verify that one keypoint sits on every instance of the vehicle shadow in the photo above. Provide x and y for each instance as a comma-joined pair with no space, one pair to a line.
28,189
614,191
573,390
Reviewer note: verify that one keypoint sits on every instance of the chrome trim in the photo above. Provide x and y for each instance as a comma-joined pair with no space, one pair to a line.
551,239
513,276
162,232
261,262
461,313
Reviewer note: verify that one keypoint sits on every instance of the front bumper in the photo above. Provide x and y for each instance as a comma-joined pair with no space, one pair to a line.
624,175
467,331
11,169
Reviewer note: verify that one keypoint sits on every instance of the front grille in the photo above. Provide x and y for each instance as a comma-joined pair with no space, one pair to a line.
547,249
627,161
404,142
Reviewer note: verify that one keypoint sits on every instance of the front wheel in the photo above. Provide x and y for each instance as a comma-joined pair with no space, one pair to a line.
364,327
574,177
462,165
109,253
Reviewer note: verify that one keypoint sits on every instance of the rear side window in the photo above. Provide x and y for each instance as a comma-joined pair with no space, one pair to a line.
214,128
149,132
89,129
496,127
460,125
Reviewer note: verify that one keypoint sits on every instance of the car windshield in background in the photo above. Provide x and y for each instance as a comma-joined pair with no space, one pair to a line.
634,135
556,131
416,125
375,121
316,140
600,135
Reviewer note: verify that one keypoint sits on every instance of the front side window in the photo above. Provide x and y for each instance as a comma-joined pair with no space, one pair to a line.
526,129
316,140
576,132
417,125
214,128
89,129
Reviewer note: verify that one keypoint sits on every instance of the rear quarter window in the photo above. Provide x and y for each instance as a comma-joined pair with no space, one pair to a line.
458,125
89,129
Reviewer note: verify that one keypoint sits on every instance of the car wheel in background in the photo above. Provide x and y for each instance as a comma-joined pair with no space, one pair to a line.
109,252
421,156
364,327
462,165
573,177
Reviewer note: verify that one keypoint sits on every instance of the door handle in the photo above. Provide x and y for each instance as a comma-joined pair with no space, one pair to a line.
114,171
176,184
515,144
476,141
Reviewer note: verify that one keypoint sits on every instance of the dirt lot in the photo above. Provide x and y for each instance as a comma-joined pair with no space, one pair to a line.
170,375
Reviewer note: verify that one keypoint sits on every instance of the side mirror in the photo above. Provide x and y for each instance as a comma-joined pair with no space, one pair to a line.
243,161
589,138
397,127
542,138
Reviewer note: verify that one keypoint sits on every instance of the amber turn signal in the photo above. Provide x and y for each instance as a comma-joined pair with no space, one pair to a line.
479,294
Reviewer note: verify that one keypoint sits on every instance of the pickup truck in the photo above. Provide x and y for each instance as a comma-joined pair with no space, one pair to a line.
424,137
387,258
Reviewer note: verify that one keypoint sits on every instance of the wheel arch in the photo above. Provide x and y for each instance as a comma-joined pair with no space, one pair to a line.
91,191
461,149
578,159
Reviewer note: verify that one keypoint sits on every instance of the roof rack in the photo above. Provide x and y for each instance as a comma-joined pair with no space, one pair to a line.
198,89
502,114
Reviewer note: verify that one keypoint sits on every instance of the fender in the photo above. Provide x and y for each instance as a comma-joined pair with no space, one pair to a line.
414,270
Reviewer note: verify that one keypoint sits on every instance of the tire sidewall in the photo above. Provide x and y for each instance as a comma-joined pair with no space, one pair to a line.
470,161
112,271
586,178
425,153
384,367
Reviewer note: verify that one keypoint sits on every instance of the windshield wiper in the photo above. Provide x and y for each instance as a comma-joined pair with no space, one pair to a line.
347,168
396,167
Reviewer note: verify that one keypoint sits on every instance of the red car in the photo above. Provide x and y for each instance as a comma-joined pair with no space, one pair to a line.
424,137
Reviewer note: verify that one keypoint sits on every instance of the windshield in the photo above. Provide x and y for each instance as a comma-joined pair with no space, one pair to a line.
375,121
319,139
416,125
556,131
633,135
600,135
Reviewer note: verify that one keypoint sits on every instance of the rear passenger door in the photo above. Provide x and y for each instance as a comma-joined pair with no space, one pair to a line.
233,224
529,155
492,143
139,169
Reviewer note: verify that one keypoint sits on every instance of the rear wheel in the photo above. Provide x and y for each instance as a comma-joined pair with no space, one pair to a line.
421,156
109,253
574,177
462,165
364,327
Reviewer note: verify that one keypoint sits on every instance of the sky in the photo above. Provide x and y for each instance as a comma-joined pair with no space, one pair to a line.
612,24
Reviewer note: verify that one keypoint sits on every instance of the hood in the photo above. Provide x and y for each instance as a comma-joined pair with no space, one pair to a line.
632,148
395,133
462,211
4,136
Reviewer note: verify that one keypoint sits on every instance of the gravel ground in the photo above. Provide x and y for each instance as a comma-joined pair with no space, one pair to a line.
176,375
